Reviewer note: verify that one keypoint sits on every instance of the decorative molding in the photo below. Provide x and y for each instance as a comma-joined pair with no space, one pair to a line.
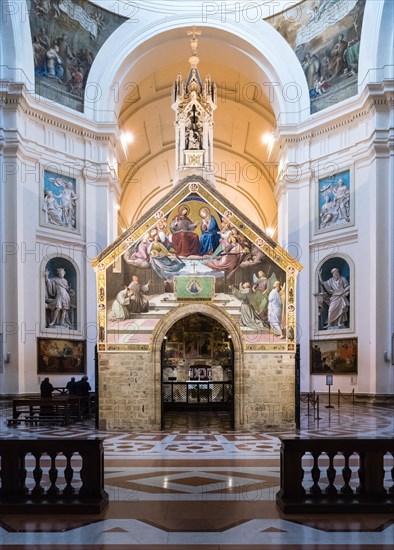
15,94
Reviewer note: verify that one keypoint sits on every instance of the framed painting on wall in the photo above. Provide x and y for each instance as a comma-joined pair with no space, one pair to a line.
334,202
59,204
61,356
337,356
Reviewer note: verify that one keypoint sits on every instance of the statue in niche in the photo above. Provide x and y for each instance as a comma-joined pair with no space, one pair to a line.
193,132
60,299
337,291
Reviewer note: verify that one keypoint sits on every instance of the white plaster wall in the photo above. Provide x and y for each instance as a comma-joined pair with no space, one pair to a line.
35,141
346,141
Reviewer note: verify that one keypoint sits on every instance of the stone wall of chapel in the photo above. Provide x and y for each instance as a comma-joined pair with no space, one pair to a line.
130,392
267,392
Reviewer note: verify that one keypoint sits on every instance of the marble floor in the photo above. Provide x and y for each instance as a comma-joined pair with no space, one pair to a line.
198,485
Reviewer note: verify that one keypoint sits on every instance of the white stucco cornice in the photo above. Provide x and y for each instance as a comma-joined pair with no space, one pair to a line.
375,96
17,96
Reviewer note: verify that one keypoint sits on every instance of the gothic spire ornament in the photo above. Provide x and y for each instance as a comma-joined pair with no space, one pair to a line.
194,101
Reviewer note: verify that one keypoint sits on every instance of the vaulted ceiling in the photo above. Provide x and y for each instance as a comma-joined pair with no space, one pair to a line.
244,121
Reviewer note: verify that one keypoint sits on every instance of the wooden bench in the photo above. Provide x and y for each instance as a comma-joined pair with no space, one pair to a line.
63,409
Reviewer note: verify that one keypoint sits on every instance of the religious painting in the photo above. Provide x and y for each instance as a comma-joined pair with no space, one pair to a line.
195,253
61,356
325,36
66,37
59,205
337,356
173,352
335,202
194,287
60,283
199,373
191,345
333,298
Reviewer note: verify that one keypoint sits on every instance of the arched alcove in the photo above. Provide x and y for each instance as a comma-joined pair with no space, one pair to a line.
223,319
61,294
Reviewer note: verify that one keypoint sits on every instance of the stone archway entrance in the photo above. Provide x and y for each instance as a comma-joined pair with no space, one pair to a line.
223,322
197,374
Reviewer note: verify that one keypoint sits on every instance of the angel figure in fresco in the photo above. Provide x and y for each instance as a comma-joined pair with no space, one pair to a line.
249,317
165,237
162,261
184,240
138,255
209,239
229,259
275,308
262,286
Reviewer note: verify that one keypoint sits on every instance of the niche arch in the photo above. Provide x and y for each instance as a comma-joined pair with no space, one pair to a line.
72,275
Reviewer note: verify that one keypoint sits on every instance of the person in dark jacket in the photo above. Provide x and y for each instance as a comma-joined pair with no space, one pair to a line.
71,386
82,390
46,388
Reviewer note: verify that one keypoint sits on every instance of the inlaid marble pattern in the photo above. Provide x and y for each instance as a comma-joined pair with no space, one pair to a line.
194,488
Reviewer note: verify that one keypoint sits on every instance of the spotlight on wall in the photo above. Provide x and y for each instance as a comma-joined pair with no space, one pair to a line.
126,138
267,138
270,231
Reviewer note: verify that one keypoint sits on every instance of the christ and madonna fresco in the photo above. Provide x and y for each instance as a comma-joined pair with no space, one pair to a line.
195,241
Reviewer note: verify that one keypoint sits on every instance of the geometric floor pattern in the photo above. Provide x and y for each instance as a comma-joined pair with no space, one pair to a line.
202,489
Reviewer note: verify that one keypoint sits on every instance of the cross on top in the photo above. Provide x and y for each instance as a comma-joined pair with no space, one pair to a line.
194,41
193,264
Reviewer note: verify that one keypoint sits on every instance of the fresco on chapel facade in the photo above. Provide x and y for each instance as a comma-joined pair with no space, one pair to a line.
325,36
66,37
195,253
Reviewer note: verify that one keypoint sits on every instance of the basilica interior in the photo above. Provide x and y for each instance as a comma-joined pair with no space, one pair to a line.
197,210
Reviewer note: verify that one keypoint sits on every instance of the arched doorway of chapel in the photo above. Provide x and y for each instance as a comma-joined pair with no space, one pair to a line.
197,374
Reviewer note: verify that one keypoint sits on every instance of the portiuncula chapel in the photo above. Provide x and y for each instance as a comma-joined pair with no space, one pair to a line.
197,205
